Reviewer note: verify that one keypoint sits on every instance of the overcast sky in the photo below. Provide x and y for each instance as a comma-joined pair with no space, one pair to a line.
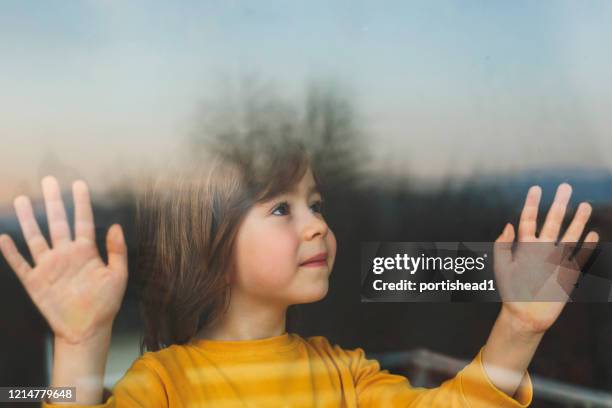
96,89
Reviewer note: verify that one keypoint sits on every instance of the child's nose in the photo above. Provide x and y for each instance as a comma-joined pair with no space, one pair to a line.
314,226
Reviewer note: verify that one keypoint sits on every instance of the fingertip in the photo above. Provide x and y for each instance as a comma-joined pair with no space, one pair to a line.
535,191
507,234
5,242
565,187
509,231
586,207
111,235
115,240
79,184
592,237
20,200
47,180
117,232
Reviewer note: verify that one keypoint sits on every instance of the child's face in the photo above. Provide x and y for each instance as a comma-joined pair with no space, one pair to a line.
275,239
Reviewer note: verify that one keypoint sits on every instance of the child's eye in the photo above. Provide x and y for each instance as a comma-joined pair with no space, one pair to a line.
281,209
317,206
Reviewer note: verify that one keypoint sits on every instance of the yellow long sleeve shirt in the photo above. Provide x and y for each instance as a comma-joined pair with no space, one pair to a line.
290,371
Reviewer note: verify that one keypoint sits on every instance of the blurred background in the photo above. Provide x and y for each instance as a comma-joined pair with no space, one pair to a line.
429,121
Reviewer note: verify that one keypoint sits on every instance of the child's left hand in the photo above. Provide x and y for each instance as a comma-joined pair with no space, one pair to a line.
535,280
537,277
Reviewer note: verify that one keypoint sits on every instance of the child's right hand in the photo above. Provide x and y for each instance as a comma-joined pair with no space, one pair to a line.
75,291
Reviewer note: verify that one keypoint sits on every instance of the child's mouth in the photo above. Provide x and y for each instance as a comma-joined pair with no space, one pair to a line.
316,261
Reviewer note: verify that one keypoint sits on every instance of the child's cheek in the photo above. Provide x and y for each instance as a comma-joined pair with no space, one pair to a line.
277,261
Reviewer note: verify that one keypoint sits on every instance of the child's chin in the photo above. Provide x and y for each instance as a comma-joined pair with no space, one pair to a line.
313,294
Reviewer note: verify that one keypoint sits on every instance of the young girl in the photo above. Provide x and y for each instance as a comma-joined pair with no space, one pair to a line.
229,246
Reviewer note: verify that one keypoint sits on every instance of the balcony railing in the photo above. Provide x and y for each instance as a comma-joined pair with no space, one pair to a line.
424,368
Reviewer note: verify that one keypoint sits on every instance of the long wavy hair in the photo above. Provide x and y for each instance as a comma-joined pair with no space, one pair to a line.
187,223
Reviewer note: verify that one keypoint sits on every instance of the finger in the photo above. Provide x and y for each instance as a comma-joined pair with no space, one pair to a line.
37,244
56,213
576,227
529,215
116,248
502,249
13,257
83,214
554,218
585,252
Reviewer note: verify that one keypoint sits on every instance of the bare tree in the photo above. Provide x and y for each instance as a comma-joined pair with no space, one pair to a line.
325,121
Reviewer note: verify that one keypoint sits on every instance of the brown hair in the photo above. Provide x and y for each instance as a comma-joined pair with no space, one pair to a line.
187,224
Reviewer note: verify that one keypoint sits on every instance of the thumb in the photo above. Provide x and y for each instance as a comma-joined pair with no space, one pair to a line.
502,249
116,249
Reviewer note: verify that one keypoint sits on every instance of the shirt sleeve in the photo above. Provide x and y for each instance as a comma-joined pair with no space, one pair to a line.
140,387
471,387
